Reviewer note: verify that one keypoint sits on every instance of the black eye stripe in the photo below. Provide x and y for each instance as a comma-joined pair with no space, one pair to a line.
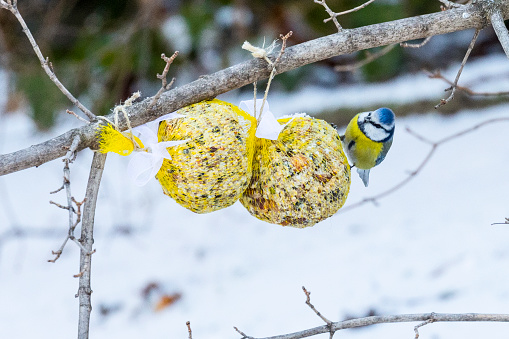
379,126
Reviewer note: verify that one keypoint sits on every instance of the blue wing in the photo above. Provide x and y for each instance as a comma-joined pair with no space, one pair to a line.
383,152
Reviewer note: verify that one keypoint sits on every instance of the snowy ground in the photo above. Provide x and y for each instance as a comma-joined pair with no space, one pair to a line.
429,247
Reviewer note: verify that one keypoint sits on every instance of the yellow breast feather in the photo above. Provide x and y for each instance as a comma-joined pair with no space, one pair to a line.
366,150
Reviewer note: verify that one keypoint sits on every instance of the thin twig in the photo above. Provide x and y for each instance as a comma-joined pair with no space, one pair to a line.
419,45
424,323
75,115
369,58
308,302
69,157
244,336
12,7
56,191
70,233
355,9
455,84
434,146
502,223
331,13
87,240
438,75
188,323
59,205
78,275
164,83
284,38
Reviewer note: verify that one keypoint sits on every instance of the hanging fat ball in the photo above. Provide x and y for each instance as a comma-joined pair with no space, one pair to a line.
368,138
213,168
301,178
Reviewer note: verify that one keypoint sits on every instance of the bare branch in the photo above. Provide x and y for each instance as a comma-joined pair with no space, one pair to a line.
370,57
87,240
419,45
273,72
210,86
76,116
333,15
355,9
308,302
70,156
497,21
438,75
373,320
46,65
244,336
429,321
455,84
283,38
165,86
188,323
502,223
413,174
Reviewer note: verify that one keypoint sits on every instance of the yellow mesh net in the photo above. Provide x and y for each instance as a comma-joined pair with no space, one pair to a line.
301,178
111,140
213,168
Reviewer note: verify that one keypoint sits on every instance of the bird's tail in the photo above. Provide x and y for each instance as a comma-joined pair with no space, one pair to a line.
364,174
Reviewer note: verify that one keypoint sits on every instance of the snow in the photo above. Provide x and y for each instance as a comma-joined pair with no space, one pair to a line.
428,247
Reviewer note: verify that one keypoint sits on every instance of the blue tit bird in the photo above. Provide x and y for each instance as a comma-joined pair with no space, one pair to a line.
368,138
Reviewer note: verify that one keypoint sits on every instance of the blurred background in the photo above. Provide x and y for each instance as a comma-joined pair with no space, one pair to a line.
430,246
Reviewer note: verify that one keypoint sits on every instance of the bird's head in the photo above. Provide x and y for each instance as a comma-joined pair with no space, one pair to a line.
383,117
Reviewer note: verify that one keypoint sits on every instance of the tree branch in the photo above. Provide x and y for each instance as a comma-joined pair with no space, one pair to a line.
69,157
497,21
209,86
87,240
455,84
467,90
368,321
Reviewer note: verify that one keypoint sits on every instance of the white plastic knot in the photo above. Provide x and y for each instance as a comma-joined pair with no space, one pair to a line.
144,165
268,126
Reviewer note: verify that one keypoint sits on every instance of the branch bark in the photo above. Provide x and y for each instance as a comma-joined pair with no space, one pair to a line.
497,21
87,240
367,321
209,86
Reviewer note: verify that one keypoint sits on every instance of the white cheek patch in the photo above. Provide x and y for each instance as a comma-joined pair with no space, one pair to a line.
362,117
375,133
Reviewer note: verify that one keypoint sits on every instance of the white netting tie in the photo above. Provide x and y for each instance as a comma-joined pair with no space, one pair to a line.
268,127
144,165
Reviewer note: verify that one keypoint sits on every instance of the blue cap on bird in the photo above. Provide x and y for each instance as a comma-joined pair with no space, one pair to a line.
385,115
